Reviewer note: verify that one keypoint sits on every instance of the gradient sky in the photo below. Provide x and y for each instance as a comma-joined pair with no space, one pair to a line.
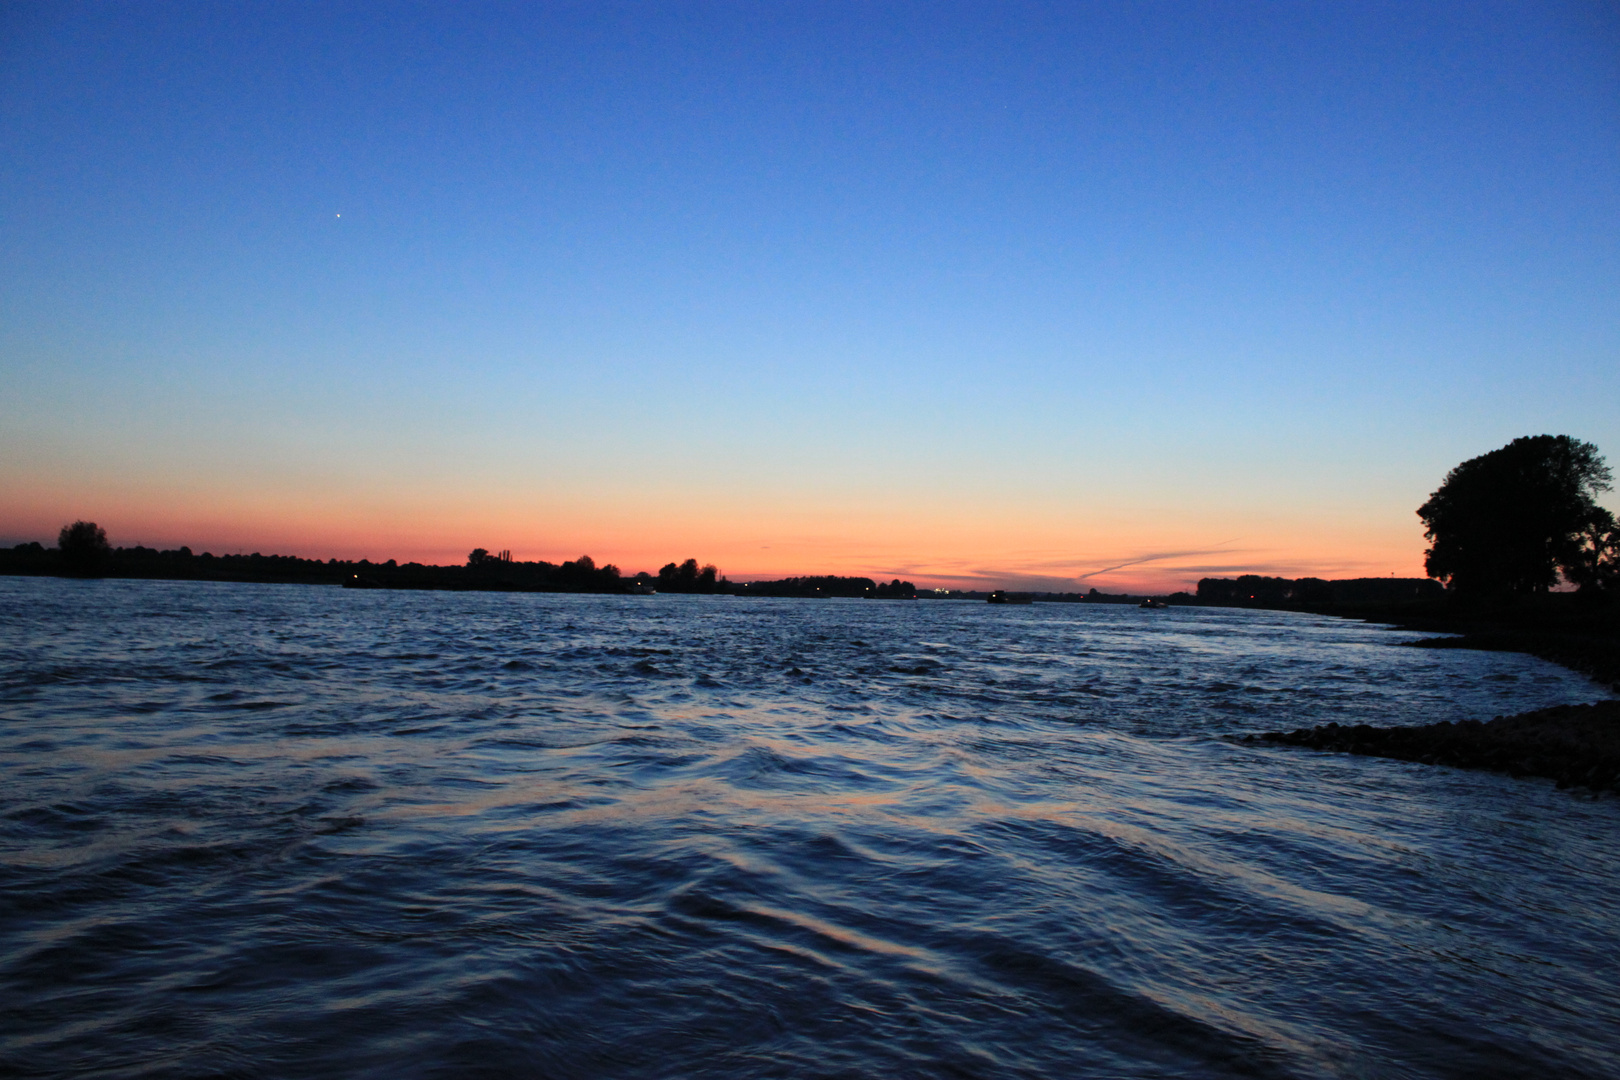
1052,295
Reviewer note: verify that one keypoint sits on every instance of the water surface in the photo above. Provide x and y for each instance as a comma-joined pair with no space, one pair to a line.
305,832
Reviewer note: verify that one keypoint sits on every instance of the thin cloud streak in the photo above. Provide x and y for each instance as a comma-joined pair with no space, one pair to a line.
1150,573
1222,549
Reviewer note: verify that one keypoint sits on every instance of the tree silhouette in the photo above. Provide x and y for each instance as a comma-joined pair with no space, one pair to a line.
84,547
687,577
1596,567
1513,519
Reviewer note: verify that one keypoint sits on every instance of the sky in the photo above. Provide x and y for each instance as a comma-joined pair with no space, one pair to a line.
1058,296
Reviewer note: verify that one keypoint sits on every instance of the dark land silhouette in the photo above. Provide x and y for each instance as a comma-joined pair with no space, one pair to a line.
1252,590
828,586
482,571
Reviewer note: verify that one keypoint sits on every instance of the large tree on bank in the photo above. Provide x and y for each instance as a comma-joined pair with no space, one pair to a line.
1512,520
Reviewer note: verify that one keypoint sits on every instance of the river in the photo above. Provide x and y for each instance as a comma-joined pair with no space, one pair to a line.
285,831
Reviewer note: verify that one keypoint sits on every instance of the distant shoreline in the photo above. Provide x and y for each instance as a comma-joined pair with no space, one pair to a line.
1565,629
499,573
495,573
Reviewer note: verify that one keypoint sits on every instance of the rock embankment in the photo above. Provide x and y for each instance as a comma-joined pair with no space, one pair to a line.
1576,745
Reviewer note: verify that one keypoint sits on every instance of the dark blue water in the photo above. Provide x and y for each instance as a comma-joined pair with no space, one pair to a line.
303,832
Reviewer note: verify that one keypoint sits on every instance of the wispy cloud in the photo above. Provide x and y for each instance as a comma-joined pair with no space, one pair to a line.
1223,548
1149,572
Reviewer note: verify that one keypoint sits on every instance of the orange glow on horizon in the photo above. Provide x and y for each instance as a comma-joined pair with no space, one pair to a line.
943,545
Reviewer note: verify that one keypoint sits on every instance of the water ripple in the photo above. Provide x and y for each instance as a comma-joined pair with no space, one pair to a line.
302,832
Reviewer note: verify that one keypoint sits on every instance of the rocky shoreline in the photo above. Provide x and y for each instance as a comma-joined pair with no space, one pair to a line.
1574,745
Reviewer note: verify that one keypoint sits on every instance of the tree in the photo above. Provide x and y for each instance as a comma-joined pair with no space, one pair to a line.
688,577
1512,520
682,578
1596,567
84,547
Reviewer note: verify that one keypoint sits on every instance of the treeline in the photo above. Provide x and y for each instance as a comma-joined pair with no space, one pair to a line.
583,575
688,577
499,573
83,551
179,564
1097,596
1252,590
829,585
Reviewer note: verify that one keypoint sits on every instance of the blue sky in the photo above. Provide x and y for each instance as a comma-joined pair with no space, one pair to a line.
971,292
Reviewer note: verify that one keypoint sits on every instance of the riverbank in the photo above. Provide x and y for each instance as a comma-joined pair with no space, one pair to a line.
1566,631
1573,745
1573,631
1579,631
